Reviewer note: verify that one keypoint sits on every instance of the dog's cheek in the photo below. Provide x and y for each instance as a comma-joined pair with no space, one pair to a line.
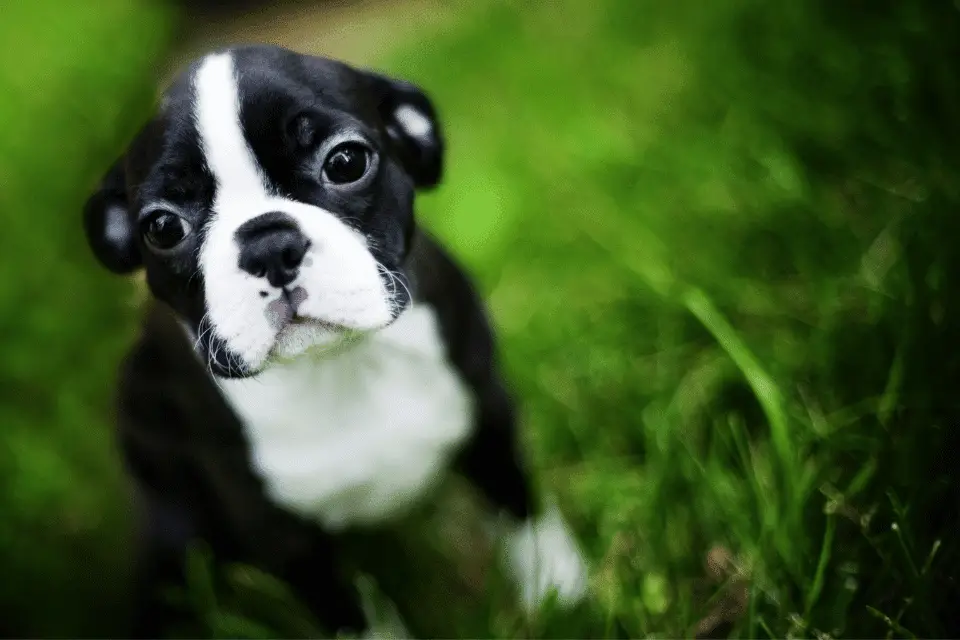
343,284
394,224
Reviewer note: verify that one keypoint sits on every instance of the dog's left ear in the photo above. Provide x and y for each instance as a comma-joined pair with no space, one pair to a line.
412,124
106,221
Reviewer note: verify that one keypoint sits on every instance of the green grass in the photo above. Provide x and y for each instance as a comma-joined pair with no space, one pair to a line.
716,239
706,250
75,80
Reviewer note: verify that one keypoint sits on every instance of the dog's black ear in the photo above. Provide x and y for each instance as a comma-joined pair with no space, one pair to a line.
412,123
107,223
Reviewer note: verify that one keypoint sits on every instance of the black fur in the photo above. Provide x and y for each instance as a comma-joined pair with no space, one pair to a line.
181,442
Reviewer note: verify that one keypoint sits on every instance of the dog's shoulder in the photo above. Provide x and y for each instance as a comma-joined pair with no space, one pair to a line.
442,282
436,274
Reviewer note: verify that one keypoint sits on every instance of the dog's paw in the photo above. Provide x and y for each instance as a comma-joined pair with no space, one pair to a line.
541,556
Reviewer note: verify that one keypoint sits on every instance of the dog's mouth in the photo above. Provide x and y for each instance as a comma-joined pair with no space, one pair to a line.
298,328
286,312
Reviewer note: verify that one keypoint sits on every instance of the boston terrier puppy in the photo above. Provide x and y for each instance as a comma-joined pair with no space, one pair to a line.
311,360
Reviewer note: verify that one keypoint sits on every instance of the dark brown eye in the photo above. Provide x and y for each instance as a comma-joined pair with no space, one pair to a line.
346,163
164,230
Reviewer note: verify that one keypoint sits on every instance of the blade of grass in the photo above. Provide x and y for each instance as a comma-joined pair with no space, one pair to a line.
891,624
818,579
763,386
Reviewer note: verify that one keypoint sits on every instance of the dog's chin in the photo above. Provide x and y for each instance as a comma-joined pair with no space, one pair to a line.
302,337
308,337
298,338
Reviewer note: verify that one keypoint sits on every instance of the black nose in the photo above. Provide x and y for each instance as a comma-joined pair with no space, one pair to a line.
272,246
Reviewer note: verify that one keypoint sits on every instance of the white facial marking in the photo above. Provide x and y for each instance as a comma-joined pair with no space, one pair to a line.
414,124
541,556
339,277
357,436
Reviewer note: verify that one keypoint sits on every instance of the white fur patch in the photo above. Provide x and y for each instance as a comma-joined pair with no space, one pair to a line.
542,556
355,437
339,275
117,230
414,124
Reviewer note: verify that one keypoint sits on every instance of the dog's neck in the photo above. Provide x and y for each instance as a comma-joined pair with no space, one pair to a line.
359,437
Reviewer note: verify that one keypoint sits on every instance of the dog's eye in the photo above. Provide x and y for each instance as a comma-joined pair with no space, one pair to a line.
346,163
164,230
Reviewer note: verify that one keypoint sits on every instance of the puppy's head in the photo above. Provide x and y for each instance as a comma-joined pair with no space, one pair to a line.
270,202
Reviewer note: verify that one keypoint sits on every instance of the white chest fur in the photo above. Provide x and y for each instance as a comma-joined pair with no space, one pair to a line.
356,437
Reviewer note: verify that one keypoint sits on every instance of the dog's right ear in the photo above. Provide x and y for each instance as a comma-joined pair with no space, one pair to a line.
107,223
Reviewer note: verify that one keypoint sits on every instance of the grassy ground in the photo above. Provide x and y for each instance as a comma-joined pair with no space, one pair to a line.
716,241
67,107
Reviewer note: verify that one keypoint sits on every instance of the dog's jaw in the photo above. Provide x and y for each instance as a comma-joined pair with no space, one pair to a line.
340,282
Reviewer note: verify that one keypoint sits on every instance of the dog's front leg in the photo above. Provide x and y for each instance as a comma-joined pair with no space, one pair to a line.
540,552
193,494
314,575
296,551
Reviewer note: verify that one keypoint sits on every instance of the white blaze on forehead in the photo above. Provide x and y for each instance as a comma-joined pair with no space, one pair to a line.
240,194
228,156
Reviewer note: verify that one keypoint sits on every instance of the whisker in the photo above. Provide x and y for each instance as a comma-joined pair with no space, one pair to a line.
395,279
195,274
203,330
353,219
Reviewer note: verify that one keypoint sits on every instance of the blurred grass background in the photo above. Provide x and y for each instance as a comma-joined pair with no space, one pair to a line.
717,242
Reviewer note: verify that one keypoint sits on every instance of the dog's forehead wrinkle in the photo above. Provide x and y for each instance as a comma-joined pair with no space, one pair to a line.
167,161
